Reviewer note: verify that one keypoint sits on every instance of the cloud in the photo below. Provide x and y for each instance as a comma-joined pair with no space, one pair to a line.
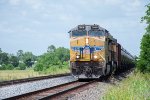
24,13
14,2
133,5
48,21
113,2
35,4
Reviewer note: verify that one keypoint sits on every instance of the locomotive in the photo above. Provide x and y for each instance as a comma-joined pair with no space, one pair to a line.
95,53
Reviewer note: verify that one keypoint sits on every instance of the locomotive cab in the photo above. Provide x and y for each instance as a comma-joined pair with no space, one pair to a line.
87,51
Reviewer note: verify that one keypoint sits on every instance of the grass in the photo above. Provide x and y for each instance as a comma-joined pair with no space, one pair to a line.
20,74
17,74
136,87
52,70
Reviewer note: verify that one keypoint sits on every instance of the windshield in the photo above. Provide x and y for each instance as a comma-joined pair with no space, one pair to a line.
78,33
96,33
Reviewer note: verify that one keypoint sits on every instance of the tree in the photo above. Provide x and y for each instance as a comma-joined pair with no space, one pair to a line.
39,67
4,59
0,50
14,61
28,58
20,55
52,57
51,48
62,54
48,59
9,67
28,62
3,67
22,66
143,63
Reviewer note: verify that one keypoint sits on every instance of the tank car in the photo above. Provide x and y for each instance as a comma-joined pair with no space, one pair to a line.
95,53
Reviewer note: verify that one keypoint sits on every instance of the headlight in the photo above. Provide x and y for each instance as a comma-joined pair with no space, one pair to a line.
87,40
77,56
95,57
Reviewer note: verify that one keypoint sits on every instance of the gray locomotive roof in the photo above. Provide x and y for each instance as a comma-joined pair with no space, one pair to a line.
87,27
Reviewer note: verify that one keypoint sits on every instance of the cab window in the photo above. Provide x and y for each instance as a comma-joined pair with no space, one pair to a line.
78,33
96,33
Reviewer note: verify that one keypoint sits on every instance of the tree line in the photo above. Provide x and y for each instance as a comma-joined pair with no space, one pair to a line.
19,61
143,63
22,60
53,57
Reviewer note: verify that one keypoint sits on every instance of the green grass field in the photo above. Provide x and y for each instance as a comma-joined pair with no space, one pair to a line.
136,87
19,74
55,70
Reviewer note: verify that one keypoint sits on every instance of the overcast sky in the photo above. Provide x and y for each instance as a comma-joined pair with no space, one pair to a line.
33,25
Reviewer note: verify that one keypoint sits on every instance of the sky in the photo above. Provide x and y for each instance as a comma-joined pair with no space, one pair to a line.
33,25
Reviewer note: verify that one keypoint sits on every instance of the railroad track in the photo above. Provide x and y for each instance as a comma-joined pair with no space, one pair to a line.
52,92
11,82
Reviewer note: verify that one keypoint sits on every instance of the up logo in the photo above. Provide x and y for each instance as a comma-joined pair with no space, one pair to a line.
86,50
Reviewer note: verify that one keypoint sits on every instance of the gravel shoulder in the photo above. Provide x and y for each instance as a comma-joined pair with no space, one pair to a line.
92,93
18,89
96,92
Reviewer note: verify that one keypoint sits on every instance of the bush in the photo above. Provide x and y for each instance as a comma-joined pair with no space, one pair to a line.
17,68
38,67
144,60
6,67
3,67
22,66
9,67
66,63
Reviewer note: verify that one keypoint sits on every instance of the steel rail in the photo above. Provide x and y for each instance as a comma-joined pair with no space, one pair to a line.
49,95
11,82
65,91
38,91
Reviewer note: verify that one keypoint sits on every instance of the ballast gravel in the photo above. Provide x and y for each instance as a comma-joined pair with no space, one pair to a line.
18,89
93,93
96,92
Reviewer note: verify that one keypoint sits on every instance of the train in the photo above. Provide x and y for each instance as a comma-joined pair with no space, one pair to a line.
94,53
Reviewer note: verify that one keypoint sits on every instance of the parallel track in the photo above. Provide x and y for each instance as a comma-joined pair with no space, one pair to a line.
11,82
52,92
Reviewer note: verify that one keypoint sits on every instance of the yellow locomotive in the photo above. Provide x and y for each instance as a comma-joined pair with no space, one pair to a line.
95,53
